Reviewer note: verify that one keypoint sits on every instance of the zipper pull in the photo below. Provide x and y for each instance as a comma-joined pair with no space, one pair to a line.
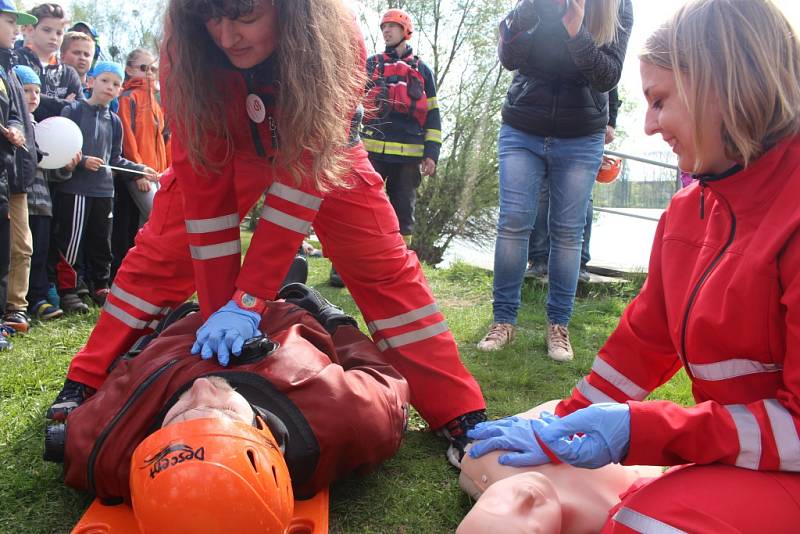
273,128
702,200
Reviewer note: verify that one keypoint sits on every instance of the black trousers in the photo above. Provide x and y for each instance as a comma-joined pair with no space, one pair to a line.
80,223
126,224
39,281
5,259
402,181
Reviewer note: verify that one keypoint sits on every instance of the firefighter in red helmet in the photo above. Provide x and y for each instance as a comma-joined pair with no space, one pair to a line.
402,126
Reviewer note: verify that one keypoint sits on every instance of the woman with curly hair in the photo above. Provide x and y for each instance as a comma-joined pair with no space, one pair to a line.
260,96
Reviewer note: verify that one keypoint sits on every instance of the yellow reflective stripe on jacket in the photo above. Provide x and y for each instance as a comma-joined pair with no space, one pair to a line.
433,103
394,149
433,135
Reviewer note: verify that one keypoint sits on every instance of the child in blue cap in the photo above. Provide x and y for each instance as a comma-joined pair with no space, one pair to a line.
83,204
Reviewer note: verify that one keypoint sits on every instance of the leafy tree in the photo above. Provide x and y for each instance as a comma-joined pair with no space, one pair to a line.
123,26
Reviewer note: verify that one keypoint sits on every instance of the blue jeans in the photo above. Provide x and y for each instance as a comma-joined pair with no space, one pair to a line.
570,166
539,244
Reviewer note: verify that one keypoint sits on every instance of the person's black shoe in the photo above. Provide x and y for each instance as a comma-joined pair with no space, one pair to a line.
71,396
308,298
82,290
298,272
335,280
456,433
72,303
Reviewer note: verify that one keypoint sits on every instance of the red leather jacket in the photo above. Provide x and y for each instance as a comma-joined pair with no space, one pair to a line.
343,405
722,300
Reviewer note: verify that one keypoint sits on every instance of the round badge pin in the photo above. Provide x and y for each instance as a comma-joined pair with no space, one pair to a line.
248,300
255,109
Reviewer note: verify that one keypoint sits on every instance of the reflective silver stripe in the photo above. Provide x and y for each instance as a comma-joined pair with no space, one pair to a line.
785,433
644,523
135,301
398,341
295,196
593,394
749,436
209,252
605,371
204,226
127,318
403,318
731,369
284,220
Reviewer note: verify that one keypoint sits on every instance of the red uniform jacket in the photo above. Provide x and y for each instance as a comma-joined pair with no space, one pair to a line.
343,405
722,300
211,210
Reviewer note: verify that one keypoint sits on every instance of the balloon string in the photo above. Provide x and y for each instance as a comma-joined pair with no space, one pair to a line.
125,170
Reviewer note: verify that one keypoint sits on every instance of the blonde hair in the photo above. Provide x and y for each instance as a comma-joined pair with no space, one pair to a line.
321,82
602,20
743,53
71,37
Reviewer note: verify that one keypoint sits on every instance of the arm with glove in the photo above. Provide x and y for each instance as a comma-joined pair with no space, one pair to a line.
591,437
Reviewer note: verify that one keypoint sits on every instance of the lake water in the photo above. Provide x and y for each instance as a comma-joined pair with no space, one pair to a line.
618,242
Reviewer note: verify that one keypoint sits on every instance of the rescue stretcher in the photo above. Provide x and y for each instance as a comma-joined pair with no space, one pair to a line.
310,517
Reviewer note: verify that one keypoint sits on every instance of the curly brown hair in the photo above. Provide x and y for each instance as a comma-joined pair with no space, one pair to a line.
319,58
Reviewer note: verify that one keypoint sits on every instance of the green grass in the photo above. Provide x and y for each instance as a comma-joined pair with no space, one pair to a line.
416,491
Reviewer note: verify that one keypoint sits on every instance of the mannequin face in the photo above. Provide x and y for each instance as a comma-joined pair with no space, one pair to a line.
209,397
584,496
524,503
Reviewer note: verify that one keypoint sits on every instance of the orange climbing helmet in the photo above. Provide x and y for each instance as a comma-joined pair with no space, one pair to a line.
398,16
609,169
211,475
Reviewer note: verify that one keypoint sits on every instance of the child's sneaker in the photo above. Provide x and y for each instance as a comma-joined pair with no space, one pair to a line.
72,303
82,289
5,333
18,320
52,296
44,311
100,296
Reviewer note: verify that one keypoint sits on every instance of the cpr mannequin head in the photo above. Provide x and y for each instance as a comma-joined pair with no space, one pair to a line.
524,503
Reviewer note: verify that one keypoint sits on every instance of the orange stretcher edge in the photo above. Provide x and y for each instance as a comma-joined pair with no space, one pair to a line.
310,517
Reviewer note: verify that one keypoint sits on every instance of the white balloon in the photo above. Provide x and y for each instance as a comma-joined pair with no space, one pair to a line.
59,139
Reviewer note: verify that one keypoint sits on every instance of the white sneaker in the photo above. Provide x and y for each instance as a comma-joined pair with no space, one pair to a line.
558,345
499,335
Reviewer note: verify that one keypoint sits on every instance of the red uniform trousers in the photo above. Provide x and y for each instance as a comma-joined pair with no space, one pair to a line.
710,499
359,232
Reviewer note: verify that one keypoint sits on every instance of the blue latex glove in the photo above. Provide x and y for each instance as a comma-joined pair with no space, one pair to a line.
606,429
512,434
225,332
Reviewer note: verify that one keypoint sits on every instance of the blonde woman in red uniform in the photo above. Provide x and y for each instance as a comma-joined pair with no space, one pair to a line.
721,301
